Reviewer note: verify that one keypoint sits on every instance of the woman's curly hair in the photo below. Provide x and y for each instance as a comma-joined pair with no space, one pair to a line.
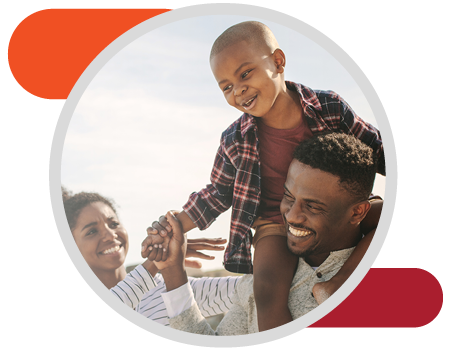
344,156
74,203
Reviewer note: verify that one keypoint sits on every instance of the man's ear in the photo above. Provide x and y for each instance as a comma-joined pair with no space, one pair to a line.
279,59
360,211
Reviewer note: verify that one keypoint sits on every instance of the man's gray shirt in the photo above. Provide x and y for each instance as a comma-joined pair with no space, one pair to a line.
242,319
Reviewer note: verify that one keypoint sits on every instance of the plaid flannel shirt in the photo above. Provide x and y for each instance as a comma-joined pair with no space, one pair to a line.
235,178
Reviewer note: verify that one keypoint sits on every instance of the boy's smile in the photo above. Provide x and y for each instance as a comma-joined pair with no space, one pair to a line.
250,77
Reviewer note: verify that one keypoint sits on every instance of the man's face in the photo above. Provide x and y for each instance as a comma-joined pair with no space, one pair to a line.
316,211
248,77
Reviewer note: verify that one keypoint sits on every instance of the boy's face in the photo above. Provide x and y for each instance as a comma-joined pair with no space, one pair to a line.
250,77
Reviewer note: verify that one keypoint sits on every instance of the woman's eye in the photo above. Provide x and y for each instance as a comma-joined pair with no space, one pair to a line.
114,224
91,232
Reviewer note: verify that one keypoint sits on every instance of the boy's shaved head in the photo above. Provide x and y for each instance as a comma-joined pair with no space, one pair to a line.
254,33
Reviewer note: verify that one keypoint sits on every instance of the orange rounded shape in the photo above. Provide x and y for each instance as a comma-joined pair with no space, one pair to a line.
50,49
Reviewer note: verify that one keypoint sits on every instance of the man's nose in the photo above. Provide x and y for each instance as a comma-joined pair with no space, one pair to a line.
295,214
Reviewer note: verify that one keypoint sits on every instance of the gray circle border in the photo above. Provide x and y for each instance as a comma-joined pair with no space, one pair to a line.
208,10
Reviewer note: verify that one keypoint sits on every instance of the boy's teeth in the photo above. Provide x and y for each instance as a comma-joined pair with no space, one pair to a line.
249,102
299,233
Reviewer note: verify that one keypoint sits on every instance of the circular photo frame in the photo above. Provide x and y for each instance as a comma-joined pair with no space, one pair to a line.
139,102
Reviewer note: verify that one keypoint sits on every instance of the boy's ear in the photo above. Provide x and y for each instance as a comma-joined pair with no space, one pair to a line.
360,211
279,59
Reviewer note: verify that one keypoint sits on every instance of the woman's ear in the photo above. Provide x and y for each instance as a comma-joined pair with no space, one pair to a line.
279,59
360,211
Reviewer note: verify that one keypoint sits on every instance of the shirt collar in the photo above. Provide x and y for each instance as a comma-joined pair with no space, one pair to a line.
308,98
248,122
334,261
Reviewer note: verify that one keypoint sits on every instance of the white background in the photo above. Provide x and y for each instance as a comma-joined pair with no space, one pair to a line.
403,50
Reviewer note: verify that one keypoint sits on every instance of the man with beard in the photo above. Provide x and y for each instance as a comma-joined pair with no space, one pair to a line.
326,197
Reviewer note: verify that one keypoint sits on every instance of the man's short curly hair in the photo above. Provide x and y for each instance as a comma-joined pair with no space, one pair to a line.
344,156
74,204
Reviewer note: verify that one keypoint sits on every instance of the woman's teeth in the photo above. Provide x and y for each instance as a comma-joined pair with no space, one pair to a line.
111,250
299,233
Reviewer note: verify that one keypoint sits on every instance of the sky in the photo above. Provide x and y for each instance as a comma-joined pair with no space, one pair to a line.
147,128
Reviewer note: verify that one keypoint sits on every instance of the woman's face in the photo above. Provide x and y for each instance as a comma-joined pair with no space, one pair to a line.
102,240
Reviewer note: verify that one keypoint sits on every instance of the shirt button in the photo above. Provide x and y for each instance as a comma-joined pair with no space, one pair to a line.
319,275
250,218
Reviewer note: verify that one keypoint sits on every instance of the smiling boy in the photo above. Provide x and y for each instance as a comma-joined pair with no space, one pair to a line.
253,160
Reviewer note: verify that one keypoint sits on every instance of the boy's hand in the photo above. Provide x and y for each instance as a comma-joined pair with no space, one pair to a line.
193,249
194,245
323,290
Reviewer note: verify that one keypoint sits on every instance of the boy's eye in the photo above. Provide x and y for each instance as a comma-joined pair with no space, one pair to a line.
245,74
228,87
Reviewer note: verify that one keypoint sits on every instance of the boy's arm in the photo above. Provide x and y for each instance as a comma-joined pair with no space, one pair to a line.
323,290
203,207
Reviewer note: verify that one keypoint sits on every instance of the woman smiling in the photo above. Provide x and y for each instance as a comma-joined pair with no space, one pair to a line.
103,242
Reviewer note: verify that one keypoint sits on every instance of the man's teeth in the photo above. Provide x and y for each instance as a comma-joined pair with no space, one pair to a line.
110,251
299,233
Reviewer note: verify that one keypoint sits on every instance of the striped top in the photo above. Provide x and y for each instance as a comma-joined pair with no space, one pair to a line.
142,292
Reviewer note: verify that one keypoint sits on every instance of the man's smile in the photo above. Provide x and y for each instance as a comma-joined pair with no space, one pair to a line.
299,232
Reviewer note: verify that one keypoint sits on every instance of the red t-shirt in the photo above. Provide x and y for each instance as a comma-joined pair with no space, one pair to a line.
276,147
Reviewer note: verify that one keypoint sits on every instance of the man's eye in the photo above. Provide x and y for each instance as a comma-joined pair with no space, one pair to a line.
313,208
288,197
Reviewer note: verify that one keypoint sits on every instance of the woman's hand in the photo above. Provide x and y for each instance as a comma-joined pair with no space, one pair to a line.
176,252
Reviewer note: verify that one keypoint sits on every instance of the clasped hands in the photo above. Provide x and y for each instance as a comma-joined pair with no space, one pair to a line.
166,244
